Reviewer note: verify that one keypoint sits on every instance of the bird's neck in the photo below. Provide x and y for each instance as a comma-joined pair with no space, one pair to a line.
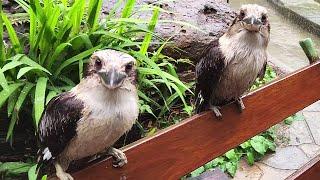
242,44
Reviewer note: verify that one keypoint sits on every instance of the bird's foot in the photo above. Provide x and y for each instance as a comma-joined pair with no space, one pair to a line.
119,158
216,111
240,104
61,174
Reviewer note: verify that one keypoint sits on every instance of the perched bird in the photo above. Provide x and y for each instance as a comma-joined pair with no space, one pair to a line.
231,64
92,116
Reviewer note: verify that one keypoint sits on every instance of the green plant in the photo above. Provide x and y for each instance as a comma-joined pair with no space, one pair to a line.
50,58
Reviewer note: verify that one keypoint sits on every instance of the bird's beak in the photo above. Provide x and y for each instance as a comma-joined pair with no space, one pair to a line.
113,78
252,23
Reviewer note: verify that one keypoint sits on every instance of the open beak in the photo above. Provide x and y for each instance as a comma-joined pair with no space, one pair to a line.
252,24
113,78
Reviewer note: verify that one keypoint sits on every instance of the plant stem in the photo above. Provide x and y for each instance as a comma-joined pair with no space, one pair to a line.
308,47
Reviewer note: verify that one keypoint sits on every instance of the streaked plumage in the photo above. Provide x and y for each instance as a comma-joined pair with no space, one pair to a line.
231,64
93,115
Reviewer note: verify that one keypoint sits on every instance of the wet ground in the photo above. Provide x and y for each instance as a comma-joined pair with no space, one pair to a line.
285,35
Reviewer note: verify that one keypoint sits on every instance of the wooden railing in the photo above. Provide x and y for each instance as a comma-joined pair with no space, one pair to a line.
179,149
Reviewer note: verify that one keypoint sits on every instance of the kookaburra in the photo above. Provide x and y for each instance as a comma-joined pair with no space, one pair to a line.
231,64
92,116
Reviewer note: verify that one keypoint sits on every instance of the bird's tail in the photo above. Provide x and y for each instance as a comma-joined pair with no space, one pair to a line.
44,162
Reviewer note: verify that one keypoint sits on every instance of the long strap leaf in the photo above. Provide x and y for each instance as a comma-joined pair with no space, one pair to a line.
25,91
39,98
12,34
4,94
2,51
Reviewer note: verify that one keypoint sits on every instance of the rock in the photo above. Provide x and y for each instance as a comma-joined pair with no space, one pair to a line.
248,172
312,119
209,175
314,107
311,150
212,17
273,173
299,133
290,157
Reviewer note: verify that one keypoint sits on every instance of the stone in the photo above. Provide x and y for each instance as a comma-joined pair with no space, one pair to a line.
273,173
313,121
299,133
313,107
211,17
247,172
209,175
311,150
290,157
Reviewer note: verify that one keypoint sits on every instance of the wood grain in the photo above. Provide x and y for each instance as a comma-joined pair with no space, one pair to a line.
179,149
309,171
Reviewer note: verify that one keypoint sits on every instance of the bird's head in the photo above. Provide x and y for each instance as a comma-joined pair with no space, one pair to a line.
253,17
113,68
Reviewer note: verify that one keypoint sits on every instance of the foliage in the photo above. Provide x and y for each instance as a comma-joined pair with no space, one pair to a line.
50,58
13,169
296,117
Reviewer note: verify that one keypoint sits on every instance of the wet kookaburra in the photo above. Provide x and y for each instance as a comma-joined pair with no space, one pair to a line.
231,64
93,115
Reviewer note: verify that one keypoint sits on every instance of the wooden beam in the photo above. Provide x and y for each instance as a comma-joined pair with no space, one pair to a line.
177,150
309,171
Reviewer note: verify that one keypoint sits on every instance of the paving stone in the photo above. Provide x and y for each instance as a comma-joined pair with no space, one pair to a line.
313,121
311,150
314,107
270,173
246,172
287,158
299,133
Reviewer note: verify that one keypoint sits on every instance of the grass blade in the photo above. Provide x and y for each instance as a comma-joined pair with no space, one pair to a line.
3,81
39,100
93,14
12,34
4,95
147,39
51,95
2,50
25,91
76,58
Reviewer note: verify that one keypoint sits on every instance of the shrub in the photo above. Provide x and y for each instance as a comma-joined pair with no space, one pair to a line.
50,59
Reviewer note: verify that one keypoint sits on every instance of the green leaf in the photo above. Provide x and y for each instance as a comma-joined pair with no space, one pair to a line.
76,58
151,27
25,91
24,70
12,101
11,65
258,145
231,168
2,48
250,158
39,98
14,168
245,145
12,34
3,81
197,172
4,94
50,96
93,13
231,154
32,174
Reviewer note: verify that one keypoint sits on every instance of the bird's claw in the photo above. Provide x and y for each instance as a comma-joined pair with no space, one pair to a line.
119,158
240,104
216,111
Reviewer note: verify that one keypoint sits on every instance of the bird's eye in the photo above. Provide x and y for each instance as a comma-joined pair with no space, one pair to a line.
263,18
98,63
129,67
242,14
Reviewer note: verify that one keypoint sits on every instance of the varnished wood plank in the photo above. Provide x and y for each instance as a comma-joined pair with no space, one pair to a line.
179,149
310,171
